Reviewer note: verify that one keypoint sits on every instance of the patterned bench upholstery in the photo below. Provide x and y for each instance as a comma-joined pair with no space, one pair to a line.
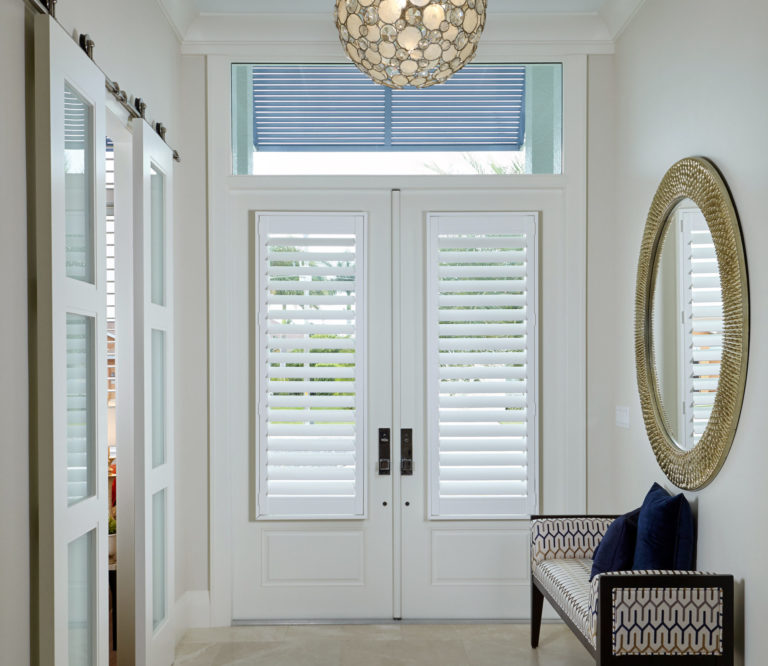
627,614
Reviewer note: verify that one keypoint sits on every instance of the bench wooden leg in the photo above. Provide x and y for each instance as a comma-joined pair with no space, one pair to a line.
537,604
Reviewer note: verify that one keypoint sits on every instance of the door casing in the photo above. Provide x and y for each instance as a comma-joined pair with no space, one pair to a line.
565,489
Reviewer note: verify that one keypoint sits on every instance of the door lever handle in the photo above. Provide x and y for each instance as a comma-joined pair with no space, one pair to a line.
406,451
384,451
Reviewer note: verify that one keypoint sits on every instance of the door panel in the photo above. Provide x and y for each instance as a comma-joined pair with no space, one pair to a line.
153,450
70,338
312,521
475,566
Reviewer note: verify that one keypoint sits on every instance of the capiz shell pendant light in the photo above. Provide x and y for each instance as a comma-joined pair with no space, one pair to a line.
416,43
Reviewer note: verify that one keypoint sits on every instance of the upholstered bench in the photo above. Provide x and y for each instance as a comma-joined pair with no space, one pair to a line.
627,617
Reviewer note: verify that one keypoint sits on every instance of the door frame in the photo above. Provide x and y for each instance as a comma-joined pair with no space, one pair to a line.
570,492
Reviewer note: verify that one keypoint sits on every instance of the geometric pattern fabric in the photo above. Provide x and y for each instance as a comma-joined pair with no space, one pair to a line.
567,581
668,621
646,621
566,538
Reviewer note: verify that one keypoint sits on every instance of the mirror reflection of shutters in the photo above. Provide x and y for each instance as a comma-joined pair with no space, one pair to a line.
311,364
482,364
702,314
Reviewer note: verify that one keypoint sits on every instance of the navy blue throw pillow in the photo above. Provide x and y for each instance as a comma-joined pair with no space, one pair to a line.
665,533
616,550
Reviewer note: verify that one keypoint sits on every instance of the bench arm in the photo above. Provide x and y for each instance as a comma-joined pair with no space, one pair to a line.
662,613
566,537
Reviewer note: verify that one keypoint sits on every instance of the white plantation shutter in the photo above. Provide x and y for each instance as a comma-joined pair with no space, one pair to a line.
80,423
482,364
311,364
702,314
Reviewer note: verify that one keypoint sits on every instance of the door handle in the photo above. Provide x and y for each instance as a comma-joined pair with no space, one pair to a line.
406,452
384,451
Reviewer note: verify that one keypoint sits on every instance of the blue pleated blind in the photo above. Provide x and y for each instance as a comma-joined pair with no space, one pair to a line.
337,108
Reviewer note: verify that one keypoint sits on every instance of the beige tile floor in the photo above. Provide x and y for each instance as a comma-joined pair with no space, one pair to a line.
382,645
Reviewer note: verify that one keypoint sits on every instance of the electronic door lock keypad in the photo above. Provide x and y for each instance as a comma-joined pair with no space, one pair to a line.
384,451
406,452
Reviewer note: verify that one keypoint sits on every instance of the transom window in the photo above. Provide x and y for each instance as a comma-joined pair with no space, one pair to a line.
310,119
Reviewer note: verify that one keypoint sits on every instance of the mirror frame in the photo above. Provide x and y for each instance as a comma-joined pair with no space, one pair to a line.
698,179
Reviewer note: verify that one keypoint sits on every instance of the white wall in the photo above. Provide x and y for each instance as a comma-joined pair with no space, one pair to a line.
689,80
600,284
191,335
136,47
14,387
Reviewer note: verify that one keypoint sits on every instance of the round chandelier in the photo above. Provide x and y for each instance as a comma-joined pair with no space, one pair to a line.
416,43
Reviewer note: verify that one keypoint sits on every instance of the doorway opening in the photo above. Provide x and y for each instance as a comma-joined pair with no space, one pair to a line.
112,350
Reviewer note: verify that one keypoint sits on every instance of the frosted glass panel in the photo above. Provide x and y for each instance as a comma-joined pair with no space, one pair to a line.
158,558
81,431
158,398
82,600
78,185
157,234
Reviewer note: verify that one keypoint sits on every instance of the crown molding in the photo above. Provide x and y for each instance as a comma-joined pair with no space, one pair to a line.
533,34
618,14
505,37
180,14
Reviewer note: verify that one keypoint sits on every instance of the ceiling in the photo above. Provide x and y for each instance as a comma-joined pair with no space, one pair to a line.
322,6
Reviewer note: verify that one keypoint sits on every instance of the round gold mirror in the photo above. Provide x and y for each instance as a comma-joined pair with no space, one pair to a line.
691,323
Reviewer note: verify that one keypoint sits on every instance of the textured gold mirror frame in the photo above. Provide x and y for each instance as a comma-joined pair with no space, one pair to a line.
698,179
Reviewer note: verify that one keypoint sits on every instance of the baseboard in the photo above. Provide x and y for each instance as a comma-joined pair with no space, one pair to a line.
192,611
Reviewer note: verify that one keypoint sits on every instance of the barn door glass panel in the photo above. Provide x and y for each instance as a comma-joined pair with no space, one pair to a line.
78,191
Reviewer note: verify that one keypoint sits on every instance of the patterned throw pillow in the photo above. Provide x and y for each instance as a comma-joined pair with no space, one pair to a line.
665,532
616,550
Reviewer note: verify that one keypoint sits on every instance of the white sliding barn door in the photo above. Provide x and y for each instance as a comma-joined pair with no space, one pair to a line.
71,339
153,399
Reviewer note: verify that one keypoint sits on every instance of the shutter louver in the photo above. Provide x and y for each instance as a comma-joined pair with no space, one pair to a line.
703,330
80,425
337,108
311,338
482,365
76,121
77,174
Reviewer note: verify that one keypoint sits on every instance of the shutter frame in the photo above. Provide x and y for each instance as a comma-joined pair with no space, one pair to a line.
489,494
332,482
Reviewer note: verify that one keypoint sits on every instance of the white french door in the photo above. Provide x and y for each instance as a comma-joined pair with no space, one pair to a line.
312,518
153,463
443,313
70,338
466,304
